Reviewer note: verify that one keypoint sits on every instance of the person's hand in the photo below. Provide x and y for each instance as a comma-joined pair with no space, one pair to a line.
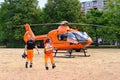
38,52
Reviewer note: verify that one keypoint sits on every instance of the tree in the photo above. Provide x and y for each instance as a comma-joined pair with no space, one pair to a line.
112,12
94,16
112,18
14,13
59,10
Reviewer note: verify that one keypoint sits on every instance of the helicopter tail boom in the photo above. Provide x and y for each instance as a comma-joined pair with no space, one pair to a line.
41,37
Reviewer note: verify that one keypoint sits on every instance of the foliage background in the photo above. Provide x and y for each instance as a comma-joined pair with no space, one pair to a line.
14,13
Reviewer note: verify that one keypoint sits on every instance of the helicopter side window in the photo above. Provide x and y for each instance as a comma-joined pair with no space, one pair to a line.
70,35
62,37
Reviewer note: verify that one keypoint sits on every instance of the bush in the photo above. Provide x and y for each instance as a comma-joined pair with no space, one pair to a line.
15,44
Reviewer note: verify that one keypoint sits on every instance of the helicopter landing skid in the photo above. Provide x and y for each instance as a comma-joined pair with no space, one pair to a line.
70,52
84,51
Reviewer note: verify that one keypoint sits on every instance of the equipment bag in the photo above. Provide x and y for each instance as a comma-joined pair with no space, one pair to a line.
24,55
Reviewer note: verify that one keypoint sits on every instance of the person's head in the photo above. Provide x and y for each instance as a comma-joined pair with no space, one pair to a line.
47,40
64,23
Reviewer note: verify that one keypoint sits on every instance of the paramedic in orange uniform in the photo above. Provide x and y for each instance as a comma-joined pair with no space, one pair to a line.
48,50
30,53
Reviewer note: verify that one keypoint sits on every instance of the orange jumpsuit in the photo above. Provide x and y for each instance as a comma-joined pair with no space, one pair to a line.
30,54
30,45
48,49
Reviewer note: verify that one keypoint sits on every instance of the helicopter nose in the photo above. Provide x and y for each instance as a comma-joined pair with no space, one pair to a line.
89,41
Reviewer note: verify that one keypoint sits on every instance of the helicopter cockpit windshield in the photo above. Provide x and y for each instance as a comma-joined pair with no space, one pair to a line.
79,36
74,36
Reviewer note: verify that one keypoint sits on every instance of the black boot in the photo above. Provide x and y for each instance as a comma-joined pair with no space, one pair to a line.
30,65
53,66
46,67
26,65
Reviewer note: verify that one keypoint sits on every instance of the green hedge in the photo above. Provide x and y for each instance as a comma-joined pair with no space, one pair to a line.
15,44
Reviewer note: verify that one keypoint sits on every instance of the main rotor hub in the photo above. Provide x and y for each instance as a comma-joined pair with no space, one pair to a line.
64,23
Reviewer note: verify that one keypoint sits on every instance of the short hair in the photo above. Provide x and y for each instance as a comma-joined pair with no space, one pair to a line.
47,40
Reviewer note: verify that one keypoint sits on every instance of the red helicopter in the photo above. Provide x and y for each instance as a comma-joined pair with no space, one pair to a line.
62,38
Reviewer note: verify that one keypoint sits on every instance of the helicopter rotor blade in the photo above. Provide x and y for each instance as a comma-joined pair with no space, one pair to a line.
80,24
72,24
45,24
18,26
